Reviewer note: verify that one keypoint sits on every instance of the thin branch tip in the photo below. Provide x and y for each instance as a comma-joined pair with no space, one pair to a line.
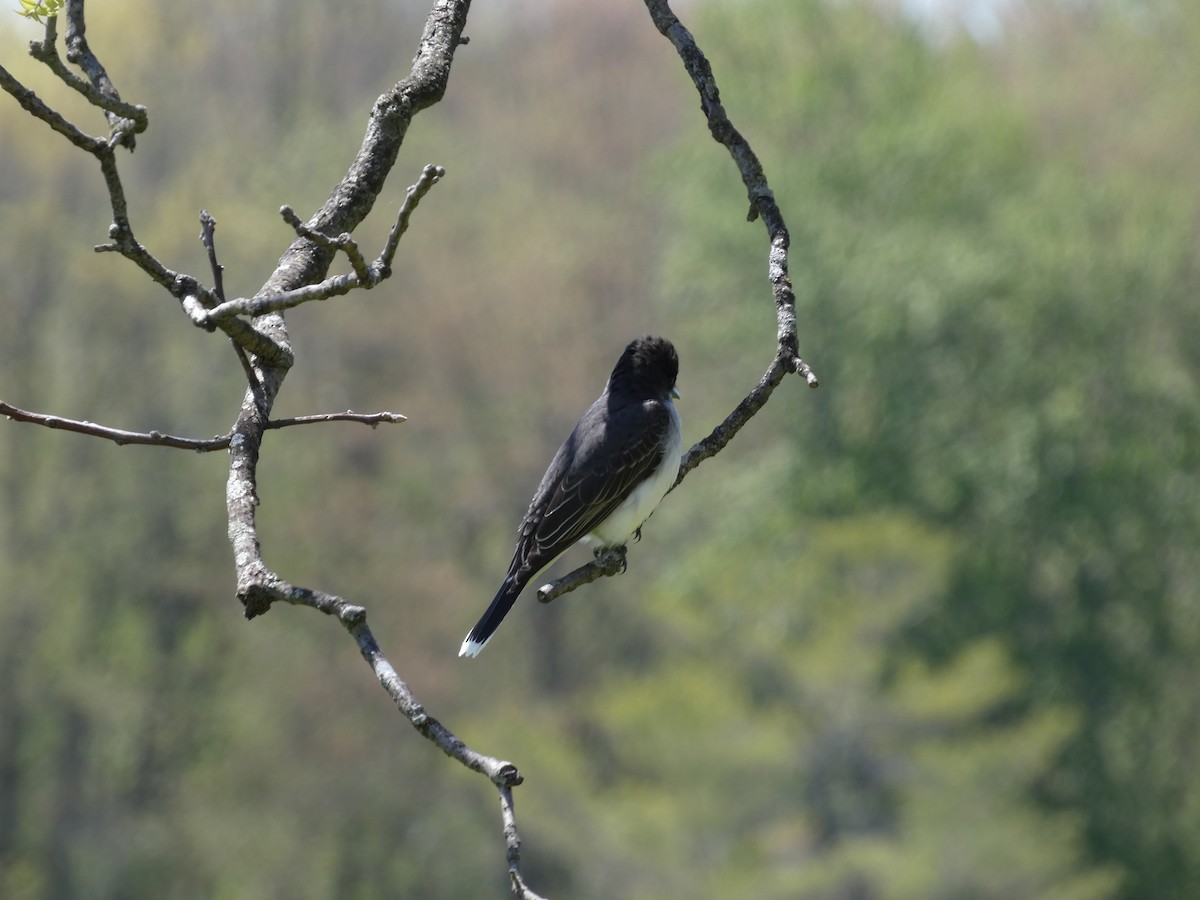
371,419
801,368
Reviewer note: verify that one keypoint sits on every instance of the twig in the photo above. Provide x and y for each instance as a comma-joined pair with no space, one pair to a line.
273,589
208,237
364,276
33,105
372,419
429,177
120,437
715,442
265,304
343,242
116,435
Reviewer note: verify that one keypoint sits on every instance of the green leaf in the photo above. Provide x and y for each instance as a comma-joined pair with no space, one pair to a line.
35,9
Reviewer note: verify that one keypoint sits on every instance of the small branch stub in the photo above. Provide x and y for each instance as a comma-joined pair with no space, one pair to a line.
609,562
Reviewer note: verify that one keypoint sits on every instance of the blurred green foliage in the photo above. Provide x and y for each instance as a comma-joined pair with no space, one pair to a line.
931,631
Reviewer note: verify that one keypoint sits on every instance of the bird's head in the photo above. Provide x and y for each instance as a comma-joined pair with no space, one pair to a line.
649,365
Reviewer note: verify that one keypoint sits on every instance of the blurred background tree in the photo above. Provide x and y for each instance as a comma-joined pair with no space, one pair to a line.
930,631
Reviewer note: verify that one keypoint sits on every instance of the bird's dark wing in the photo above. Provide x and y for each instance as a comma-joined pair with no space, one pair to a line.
608,454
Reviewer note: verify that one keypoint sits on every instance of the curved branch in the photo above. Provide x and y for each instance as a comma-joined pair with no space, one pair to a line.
306,262
762,198
762,205
502,773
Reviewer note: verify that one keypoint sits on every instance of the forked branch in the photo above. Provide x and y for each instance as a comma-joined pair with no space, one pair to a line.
298,278
365,275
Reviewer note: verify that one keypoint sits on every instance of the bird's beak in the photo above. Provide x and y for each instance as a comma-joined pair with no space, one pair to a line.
675,392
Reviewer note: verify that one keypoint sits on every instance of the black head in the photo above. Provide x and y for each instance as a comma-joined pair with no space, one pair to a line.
649,365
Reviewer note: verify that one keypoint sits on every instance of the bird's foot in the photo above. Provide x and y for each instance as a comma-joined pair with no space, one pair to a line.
608,557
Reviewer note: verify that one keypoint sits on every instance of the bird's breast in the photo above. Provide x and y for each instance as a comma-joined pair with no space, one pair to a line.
618,528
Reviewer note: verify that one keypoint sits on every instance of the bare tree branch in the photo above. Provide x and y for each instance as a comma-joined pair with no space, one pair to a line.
298,278
78,52
208,237
125,119
116,435
512,843
33,105
762,205
364,276
121,437
371,419
186,289
306,263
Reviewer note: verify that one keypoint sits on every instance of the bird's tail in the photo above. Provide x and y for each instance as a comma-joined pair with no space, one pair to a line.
478,637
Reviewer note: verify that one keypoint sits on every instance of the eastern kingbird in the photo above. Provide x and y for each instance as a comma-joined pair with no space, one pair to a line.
605,479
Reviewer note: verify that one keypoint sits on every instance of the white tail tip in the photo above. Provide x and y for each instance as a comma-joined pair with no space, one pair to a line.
470,647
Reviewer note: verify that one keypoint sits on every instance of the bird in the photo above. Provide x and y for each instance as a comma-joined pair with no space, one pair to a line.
605,480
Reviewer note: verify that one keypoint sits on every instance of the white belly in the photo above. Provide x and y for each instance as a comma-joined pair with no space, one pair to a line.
627,518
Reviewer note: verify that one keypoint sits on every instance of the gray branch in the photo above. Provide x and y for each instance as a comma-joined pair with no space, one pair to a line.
786,359
762,205
365,275
123,126
306,263
300,276
120,436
